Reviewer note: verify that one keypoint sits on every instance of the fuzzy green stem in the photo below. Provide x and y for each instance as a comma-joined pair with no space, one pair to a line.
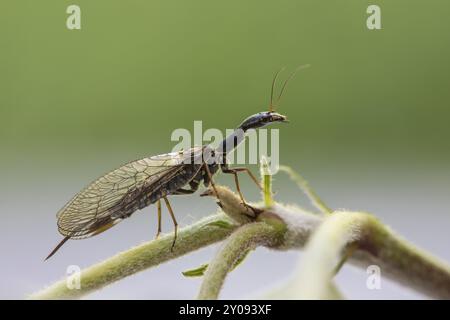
200,234
304,186
266,176
376,245
399,260
281,228
246,237
322,253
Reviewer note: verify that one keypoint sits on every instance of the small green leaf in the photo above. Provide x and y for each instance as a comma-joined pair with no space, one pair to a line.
200,271
197,272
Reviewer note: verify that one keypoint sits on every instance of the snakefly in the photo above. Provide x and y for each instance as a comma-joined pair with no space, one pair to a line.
138,184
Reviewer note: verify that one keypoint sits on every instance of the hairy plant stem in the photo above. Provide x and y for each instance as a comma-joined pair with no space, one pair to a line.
247,237
303,184
266,177
397,259
328,240
278,227
200,234
323,254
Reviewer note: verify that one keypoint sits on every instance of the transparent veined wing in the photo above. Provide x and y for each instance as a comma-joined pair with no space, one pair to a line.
98,207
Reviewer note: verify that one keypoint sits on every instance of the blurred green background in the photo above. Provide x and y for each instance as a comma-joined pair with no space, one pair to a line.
369,119
139,69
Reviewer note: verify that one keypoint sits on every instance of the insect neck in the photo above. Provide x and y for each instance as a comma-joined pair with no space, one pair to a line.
232,141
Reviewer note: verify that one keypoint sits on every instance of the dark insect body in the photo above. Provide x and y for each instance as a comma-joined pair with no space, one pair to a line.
138,184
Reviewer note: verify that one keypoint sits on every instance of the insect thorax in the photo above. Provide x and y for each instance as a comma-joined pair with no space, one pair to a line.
189,174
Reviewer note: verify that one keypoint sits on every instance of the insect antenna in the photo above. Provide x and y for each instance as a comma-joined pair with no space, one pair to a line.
274,80
287,81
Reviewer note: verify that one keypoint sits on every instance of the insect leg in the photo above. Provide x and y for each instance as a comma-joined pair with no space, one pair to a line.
158,205
252,176
182,191
234,171
175,223
212,182
193,187
236,180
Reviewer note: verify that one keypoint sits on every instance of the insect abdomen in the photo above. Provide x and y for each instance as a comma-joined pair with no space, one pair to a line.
147,195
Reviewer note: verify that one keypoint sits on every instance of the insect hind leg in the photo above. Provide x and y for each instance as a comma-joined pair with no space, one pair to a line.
158,205
194,187
213,185
175,223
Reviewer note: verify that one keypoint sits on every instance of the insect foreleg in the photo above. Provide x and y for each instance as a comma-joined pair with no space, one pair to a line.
226,169
234,171
236,180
